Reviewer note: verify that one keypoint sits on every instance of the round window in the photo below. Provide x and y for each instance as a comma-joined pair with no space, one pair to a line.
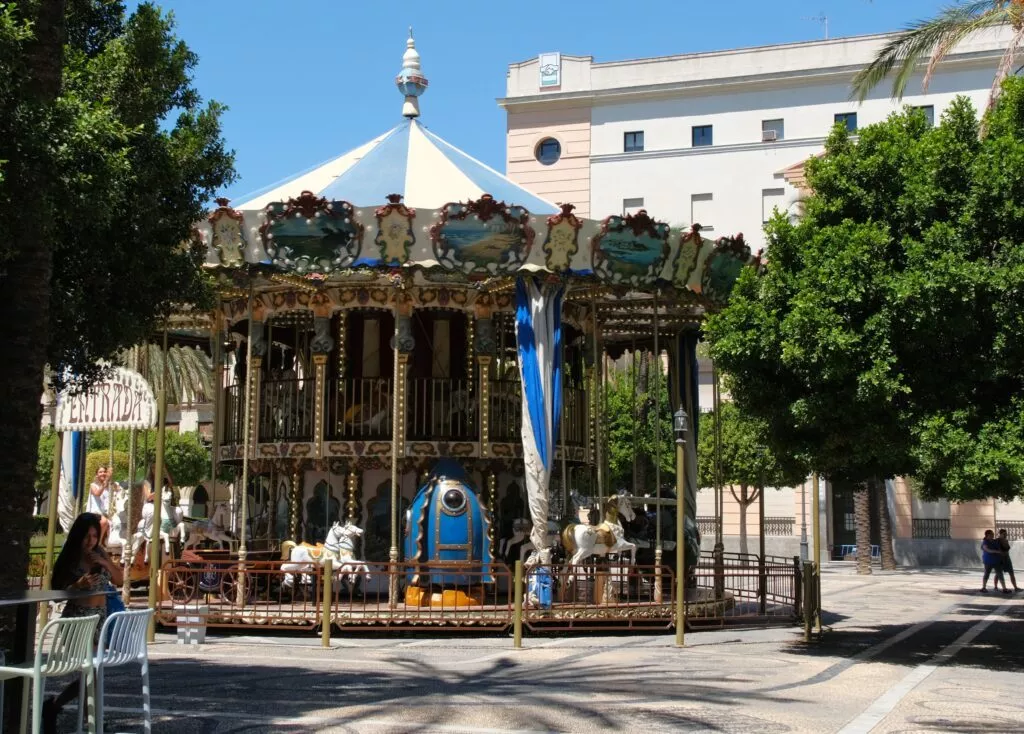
549,151
454,500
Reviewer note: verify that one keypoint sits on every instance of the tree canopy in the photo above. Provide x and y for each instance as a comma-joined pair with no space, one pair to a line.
631,426
884,334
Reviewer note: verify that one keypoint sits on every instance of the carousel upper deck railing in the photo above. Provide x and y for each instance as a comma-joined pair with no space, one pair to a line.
442,409
234,420
359,408
287,408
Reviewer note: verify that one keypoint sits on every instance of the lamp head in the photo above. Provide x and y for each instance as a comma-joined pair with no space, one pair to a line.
681,424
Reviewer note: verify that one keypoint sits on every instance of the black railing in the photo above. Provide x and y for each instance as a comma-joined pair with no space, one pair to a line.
1014,529
442,409
930,528
287,408
707,525
359,408
779,526
506,419
234,418
574,417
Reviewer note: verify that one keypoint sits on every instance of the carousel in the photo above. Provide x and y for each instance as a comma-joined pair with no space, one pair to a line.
409,344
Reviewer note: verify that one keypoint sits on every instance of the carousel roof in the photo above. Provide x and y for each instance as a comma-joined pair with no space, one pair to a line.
410,160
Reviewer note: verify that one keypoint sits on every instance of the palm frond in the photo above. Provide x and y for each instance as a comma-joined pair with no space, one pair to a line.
1006,64
929,39
189,371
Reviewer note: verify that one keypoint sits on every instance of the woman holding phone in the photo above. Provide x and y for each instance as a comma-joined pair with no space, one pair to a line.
81,566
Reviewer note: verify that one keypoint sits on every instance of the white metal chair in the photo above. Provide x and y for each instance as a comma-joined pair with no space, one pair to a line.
70,651
123,641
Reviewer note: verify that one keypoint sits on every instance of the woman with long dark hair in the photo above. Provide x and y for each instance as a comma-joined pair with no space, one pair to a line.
82,565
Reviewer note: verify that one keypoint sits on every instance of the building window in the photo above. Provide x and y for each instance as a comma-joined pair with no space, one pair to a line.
633,142
772,130
632,206
700,211
549,151
929,114
772,199
702,135
848,120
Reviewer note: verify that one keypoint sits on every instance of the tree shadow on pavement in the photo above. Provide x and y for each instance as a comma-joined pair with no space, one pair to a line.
414,695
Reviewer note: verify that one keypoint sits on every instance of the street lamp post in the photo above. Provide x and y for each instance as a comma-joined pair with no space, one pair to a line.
679,423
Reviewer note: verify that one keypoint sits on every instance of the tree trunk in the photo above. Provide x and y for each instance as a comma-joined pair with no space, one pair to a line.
884,527
862,521
25,306
744,500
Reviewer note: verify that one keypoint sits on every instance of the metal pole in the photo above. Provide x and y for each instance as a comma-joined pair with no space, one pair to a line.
803,522
816,524
517,609
158,482
657,439
680,542
397,404
762,577
325,617
216,348
243,546
128,528
51,520
598,402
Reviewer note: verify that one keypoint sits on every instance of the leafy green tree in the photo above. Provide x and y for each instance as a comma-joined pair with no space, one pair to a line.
884,335
927,42
109,158
748,465
631,433
187,458
44,466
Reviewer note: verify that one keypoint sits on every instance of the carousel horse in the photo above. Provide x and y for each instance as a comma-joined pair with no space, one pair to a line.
118,501
172,520
210,529
583,541
339,546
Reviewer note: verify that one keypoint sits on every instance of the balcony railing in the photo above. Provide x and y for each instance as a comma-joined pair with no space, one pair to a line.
930,528
1014,529
287,408
359,408
234,418
442,409
506,420
779,526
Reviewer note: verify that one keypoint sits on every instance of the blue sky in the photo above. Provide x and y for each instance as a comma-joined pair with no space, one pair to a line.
306,80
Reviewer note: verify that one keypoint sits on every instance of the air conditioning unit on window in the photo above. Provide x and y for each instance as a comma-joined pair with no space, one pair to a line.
769,136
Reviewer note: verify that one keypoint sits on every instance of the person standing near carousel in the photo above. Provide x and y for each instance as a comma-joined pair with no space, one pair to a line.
99,491
82,566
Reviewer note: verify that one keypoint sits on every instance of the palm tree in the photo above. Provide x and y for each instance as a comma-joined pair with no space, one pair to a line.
862,523
884,526
933,39
189,371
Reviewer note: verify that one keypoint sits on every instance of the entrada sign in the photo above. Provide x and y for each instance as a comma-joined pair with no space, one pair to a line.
123,400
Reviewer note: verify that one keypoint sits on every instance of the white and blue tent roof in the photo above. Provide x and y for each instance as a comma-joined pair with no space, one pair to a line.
410,160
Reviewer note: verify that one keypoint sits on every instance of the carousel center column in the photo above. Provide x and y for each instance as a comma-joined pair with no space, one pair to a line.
486,345
254,367
321,347
403,345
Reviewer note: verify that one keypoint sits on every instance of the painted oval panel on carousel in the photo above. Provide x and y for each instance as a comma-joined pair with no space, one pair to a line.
482,237
630,250
311,234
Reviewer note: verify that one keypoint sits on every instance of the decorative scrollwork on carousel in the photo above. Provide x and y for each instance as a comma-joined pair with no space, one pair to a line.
630,250
562,242
482,237
229,240
395,235
322,342
312,235
687,257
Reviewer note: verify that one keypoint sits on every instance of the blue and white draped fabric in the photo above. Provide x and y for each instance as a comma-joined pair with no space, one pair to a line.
72,476
409,160
539,341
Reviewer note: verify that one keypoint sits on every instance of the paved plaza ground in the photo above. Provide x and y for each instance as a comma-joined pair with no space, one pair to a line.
908,651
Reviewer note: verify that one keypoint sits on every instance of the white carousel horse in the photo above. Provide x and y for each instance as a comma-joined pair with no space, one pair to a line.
172,520
339,546
210,529
118,502
583,541
171,525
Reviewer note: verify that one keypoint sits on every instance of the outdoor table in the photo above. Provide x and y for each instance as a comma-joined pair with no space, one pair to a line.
25,602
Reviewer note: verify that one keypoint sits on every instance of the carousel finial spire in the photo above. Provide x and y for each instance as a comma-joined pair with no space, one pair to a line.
410,79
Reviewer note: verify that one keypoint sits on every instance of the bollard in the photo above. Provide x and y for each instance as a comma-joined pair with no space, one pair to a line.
809,596
517,609
325,617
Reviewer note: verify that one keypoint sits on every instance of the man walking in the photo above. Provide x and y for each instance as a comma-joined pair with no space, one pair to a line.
1004,548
